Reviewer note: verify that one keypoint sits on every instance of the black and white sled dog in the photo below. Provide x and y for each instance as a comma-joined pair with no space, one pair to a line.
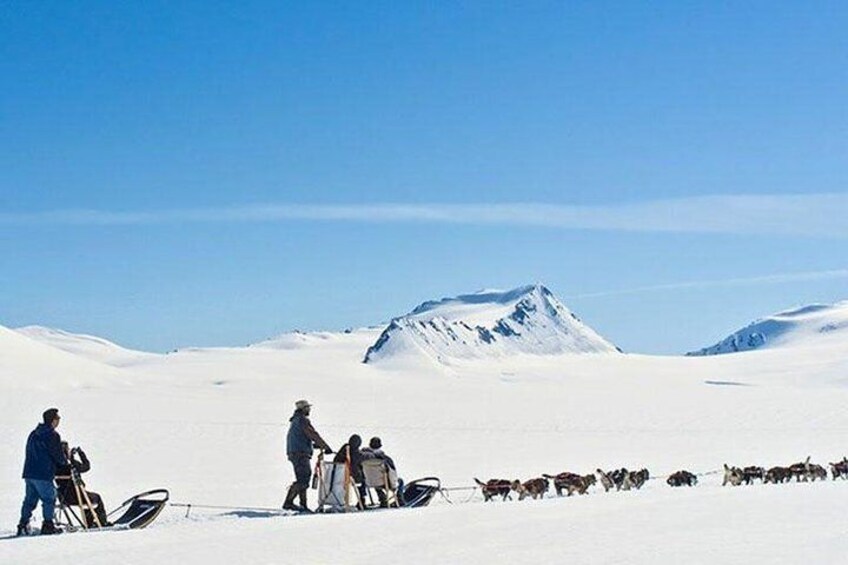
606,480
682,478
751,473
839,469
638,478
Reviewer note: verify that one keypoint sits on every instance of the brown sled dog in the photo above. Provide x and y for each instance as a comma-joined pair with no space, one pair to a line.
535,488
497,487
571,483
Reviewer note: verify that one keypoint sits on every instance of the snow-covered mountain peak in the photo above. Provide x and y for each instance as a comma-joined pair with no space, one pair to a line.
484,296
802,325
487,323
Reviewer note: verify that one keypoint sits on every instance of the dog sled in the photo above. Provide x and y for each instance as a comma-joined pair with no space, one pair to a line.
338,493
135,513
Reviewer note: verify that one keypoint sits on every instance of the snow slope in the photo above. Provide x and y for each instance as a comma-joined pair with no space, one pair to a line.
798,326
210,424
88,346
488,323
26,363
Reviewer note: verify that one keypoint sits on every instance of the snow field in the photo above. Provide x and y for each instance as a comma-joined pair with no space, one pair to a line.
210,425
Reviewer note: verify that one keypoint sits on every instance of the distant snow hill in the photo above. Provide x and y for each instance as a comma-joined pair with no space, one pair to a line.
489,323
87,346
800,326
26,362
301,340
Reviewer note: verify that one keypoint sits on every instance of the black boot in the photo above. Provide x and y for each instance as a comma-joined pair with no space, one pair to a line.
289,503
100,512
383,497
303,506
101,515
24,530
49,528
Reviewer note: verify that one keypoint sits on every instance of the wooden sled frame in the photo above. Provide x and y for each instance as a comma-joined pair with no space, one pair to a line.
84,504
332,497
379,475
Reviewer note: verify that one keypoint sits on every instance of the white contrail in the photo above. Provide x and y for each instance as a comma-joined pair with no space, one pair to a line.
766,279
797,215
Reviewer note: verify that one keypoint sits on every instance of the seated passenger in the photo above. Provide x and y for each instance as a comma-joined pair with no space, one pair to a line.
375,447
69,495
375,450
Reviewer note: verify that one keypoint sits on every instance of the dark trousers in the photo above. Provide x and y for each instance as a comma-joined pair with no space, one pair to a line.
99,510
382,497
302,463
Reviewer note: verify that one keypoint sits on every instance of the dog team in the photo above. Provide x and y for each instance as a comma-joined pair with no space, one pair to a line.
806,471
569,483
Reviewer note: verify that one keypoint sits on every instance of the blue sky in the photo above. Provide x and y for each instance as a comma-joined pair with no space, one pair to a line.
201,173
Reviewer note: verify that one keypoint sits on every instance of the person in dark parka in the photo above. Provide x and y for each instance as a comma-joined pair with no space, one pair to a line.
353,447
68,494
300,441
375,447
43,456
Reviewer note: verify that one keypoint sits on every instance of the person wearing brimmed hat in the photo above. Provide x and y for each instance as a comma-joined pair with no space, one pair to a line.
300,441
43,456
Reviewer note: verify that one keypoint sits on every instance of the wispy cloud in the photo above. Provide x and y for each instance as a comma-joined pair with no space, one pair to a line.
749,281
800,215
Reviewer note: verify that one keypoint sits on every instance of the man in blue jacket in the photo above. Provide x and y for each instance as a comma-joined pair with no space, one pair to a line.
299,444
43,455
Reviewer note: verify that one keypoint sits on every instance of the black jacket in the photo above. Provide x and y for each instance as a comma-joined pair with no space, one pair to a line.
43,453
356,458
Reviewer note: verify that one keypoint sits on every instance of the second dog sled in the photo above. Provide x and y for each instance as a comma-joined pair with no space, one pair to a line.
338,493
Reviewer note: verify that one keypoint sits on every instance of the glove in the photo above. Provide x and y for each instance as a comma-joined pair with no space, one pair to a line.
328,450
